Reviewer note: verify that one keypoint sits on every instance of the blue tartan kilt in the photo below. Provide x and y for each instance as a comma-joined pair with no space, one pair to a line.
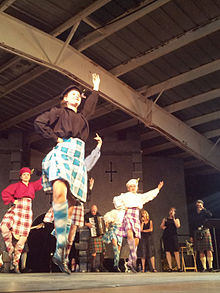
112,234
66,161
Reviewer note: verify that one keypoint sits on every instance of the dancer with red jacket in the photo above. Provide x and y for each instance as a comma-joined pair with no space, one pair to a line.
18,219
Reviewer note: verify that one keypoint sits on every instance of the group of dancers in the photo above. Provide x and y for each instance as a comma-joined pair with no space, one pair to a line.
64,172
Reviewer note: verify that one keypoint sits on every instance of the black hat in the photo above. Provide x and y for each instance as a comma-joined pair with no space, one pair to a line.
69,88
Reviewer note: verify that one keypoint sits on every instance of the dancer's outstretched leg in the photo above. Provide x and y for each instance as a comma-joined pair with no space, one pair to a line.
60,209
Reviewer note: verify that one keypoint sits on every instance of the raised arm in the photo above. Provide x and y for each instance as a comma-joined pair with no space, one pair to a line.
92,159
150,195
37,184
91,101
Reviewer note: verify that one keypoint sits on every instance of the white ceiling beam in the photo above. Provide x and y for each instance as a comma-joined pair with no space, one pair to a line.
68,40
193,101
23,79
192,122
212,133
32,75
170,46
158,148
30,113
187,103
181,134
42,48
91,22
5,4
149,135
79,16
203,119
181,79
183,155
129,17
9,63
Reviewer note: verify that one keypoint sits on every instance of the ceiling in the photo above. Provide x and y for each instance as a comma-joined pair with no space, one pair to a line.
158,60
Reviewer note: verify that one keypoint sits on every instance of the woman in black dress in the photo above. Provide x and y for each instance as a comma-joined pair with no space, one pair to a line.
170,240
63,169
146,245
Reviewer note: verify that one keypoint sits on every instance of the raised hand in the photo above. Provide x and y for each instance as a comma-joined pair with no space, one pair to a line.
160,185
96,81
99,140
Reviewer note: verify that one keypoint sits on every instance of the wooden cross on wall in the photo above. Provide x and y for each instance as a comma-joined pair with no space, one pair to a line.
111,172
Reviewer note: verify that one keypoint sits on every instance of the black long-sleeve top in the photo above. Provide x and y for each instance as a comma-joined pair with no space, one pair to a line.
199,219
65,123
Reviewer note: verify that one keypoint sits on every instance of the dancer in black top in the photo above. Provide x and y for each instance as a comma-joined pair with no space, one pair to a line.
63,169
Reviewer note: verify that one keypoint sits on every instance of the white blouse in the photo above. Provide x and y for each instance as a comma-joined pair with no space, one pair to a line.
134,200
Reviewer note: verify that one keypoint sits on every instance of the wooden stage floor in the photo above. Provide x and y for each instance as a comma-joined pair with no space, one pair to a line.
189,282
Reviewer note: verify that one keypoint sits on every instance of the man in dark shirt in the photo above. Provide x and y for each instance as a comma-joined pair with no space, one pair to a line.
96,244
200,235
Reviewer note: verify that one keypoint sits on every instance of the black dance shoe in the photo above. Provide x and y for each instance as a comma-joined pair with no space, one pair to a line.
131,268
103,269
60,262
116,269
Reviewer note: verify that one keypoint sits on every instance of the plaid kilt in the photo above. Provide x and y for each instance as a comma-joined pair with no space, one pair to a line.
19,217
205,243
112,234
66,161
77,216
131,221
96,245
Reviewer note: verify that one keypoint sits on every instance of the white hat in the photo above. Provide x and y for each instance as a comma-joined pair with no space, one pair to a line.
132,182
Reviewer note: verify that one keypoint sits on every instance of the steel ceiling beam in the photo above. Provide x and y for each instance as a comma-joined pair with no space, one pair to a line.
42,48
25,78
187,103
5,4
180,79
193,101
168,47
203,119
129,17
79,16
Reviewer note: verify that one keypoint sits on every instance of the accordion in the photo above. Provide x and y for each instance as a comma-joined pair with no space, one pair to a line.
98,228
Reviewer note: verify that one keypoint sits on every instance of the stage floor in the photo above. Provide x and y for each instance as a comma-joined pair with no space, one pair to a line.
111,282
